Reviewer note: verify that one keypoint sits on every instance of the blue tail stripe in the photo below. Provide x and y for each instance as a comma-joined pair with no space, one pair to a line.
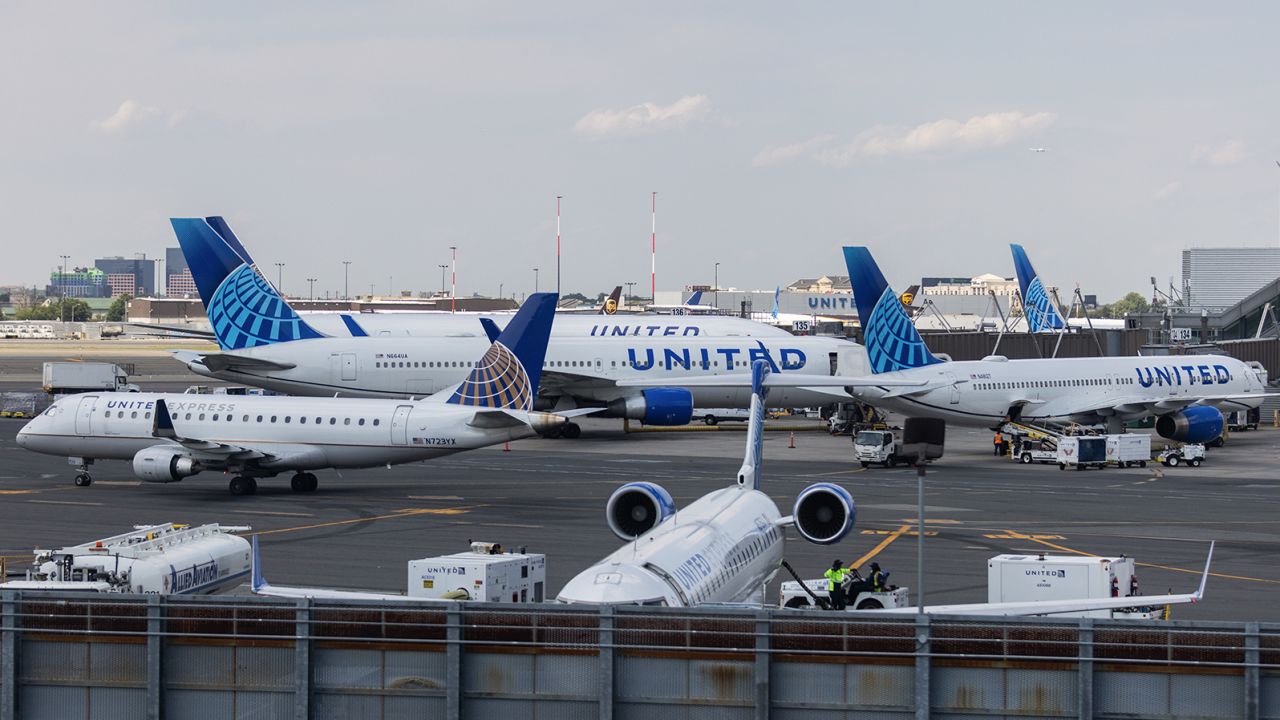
353,327
891,340
224,231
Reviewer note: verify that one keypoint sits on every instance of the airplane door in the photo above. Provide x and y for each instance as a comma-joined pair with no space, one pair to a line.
84,415
348,366
400,425
955,388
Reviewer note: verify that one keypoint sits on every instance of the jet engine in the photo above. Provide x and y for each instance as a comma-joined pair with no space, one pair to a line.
162,464
656,406
1198,424
636,508
824,513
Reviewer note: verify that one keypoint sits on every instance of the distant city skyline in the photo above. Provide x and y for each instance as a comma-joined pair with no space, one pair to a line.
1106,139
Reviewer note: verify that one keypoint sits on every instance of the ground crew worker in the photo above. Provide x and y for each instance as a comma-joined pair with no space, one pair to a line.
998,442
835,584
876,578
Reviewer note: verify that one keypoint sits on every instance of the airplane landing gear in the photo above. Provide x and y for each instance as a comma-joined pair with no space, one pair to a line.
83,479
571,430
242,485
304,482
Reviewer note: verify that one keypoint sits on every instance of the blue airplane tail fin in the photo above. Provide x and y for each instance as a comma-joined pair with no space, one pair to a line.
256,580
776,292
695,298
508,374
891,340
243,308
1037,306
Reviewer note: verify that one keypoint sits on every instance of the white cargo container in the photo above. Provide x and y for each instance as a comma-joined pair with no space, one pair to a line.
163,559
1027,578
1129,449
1082,451
485,573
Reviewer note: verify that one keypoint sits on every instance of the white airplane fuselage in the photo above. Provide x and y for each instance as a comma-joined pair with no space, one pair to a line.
981,392
566,325
724,547
391,367
304,433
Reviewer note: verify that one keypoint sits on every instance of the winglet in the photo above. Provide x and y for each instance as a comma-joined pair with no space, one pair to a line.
162,422
491,329
1037,306
257,581
508,374
891,340
1204,579
749,473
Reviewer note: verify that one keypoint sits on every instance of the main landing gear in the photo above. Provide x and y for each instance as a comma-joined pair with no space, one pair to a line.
243,485
304,482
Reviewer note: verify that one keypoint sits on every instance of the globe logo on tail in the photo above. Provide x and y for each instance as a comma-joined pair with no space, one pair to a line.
245,311
1041,315
891,340
499,381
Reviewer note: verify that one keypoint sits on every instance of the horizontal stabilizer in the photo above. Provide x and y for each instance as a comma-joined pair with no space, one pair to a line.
218,362
177,330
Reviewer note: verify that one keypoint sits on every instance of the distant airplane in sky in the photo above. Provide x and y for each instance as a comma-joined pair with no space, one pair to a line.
1038,149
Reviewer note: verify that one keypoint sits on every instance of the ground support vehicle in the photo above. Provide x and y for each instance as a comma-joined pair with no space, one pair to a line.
1191,454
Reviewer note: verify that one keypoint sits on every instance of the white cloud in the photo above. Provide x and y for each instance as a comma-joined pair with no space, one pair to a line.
1231,152
644,118
945,135
773,155
132,113
1169,190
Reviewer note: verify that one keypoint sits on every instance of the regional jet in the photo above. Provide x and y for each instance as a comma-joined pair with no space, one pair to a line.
1187,394
168,437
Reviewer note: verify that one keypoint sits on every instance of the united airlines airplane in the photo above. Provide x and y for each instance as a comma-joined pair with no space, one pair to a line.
1037,306
1186,394
168,437
724,547
266,344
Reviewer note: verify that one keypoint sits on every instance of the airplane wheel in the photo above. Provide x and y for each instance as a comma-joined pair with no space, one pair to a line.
298,483
241,485
797,602
869,605
312,483
571,431
83,480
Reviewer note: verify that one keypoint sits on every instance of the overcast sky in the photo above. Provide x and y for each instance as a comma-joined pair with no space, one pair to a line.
383,133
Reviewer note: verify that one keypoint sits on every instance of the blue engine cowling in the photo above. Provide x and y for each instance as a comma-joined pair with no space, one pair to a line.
636,508
824,513
656,406
1194,425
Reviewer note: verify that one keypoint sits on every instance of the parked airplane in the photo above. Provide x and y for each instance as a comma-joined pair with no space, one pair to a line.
169,436
724,547
209,270
1185,394
266,344
1038,307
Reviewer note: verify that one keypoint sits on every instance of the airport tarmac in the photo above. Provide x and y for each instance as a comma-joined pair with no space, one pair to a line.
154,369
361,527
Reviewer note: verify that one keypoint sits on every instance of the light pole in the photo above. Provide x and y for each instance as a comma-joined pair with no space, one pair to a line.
62,288
280,278
453,296
442,269
346,267
312,291
558,244
717,286
535,279
499,291
630,291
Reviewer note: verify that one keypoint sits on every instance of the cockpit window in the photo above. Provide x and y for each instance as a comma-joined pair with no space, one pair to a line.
53,410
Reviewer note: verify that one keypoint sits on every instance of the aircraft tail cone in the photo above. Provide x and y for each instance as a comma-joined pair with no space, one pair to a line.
793,441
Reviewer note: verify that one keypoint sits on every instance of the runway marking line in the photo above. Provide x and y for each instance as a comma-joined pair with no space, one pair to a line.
910,533
1023,537
883,544
409,512
64,502
17,492
837,472
1035,539
274,512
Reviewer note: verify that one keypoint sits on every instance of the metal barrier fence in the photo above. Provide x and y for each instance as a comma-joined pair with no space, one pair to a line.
68,656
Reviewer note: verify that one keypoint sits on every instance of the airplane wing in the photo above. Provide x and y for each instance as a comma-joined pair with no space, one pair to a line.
1054,607
222,453
259,585
217,362
1135,405
173,329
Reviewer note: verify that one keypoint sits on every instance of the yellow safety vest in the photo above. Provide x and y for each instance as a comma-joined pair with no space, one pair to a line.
834,577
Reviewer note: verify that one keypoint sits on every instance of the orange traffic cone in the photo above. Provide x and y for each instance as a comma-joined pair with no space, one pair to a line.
793,440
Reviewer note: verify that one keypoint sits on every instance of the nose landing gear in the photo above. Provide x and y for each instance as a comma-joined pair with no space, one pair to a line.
83,479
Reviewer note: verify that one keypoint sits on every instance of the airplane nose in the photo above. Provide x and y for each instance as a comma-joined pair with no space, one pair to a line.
22,437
